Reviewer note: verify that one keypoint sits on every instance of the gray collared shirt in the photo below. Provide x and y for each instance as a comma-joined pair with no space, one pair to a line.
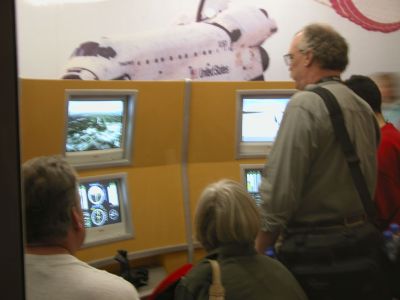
306,177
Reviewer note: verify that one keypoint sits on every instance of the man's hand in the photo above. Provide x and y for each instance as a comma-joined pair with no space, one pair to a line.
264,240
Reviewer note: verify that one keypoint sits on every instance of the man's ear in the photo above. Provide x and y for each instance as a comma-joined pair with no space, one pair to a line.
76,218
309,58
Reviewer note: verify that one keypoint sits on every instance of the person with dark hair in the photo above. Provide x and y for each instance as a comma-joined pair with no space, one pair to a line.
309,197
387,194
54,232
226,223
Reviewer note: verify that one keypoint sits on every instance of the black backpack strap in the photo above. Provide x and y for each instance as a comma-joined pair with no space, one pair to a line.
337,119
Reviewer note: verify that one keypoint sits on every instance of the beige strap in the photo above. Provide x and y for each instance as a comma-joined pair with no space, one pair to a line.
216,290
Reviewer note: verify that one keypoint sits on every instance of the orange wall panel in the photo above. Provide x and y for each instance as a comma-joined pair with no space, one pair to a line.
155,178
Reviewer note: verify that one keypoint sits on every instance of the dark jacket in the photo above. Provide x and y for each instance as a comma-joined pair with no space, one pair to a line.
245,274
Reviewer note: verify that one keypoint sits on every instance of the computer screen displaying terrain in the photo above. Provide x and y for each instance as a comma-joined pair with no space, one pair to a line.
99,127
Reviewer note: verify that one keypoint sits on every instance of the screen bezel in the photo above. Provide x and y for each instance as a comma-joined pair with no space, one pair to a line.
255,149
112,232
109,157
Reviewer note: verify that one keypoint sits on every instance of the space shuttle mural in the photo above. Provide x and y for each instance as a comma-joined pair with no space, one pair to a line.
226,46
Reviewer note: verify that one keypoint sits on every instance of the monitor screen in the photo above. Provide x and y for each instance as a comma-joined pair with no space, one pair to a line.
259,115
99,126
251,177
105,208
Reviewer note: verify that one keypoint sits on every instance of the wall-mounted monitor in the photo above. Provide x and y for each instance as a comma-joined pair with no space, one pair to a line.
259,113
99,127
251,178
106,208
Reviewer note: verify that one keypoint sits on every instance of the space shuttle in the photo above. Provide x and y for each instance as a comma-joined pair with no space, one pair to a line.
224,47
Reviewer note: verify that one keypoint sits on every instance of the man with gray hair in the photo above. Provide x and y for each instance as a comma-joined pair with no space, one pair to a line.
309,197
54,232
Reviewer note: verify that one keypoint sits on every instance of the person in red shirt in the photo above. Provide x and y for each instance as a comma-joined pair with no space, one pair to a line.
387,195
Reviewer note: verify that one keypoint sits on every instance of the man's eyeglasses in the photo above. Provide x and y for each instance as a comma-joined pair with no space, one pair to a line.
288,59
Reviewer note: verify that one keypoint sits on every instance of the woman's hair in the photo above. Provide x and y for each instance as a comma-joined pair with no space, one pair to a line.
330,49
226,214
50,191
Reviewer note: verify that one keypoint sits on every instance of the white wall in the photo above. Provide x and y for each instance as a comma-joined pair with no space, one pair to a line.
47,35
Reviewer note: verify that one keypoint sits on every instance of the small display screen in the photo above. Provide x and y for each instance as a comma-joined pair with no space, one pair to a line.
253,181
94,125
100,202
261,118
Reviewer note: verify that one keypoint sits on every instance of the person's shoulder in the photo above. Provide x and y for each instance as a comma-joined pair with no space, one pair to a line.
107,276
194,285
279,275
114,286
201,271
304,95
106,283
305,102
306,98
390,134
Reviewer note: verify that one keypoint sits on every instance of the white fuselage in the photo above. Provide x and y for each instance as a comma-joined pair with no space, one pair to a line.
223,48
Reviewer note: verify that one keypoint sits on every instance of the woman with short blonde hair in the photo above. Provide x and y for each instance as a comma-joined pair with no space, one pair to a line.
227,221
226,214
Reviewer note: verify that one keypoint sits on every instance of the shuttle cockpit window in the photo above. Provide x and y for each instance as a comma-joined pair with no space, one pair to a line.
94,49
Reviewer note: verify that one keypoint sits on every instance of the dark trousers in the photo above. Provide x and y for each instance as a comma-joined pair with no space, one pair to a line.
363,285
338,264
